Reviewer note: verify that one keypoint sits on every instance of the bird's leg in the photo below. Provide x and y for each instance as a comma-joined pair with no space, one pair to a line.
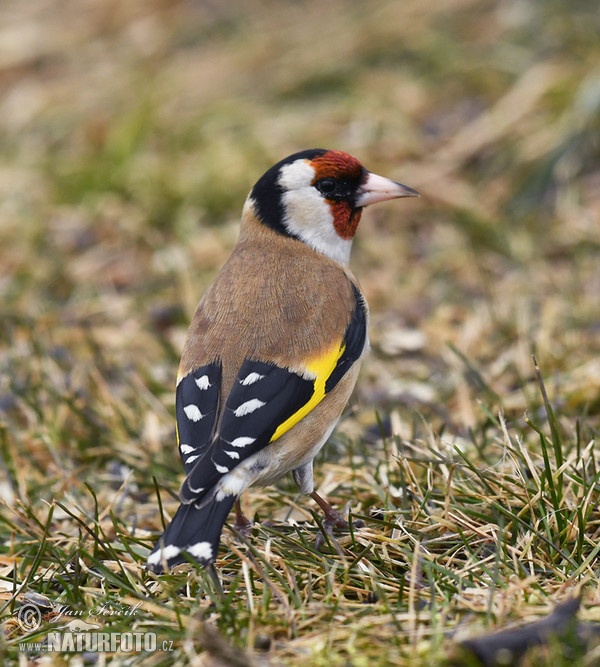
242,523
333,519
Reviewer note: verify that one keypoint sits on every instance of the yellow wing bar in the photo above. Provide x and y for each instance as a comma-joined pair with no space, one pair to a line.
321,368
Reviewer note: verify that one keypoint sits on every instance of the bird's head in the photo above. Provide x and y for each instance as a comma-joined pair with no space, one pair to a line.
317,196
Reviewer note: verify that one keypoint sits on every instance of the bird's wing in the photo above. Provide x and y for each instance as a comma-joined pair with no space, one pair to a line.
197,408
266,401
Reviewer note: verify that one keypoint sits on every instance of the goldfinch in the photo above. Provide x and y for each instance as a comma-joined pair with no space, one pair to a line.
274,348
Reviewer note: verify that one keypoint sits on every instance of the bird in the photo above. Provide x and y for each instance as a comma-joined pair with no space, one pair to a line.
273,351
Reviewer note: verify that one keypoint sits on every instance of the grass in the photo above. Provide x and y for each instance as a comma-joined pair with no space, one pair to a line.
131,134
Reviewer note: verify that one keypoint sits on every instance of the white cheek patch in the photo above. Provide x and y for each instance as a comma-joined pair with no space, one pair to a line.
308,215
297,175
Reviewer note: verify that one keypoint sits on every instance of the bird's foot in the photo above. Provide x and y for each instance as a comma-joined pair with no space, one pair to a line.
332,519
242,523
335,519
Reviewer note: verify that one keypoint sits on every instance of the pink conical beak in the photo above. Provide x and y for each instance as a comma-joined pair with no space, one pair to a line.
377,188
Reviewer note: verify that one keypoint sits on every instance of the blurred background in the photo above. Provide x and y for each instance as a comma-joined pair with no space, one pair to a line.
131,132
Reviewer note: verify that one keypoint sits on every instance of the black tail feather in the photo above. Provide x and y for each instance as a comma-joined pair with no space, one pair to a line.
193,531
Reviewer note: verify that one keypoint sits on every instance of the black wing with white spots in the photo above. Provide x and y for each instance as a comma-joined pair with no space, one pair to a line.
263,398
197,408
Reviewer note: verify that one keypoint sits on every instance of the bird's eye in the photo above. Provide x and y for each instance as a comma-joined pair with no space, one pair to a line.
326,186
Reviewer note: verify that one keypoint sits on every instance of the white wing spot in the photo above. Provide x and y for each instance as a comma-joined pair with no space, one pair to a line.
166,553
232,455
221,469
193,490
203,382
201,550
242,441
192,412
186,449
192,458
248,407
251,379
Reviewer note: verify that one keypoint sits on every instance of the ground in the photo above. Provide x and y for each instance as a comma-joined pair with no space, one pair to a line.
131,133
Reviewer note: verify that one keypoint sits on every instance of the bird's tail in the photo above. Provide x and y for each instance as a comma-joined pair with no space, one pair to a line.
195,531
